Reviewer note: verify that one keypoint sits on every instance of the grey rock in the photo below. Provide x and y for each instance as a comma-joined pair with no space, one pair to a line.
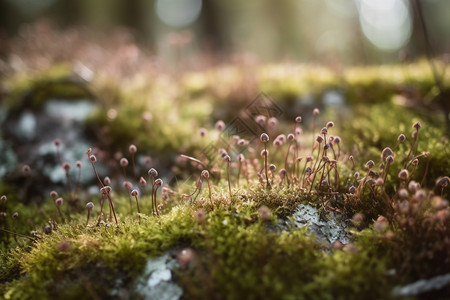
329,230
158,276
333,98
26,126
158,263
164,291
157,282
422,286
28,138
69,111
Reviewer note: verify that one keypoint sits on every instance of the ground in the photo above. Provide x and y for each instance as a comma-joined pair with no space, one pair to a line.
333,218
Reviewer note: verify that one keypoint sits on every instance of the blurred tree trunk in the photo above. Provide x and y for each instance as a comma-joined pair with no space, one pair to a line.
211,27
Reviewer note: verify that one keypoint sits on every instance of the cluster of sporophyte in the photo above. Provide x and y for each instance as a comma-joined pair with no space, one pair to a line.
417,232
63,214
322,171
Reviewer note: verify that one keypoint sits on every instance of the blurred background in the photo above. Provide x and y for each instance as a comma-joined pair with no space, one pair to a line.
325,31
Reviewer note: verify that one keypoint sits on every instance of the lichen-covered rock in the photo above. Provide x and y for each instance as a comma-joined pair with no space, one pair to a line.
328,229
157,281
28,138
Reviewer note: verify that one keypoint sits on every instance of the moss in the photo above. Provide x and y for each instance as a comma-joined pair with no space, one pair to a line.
169,129
238,247
352,276
378,126
33,90
237,254
282,200
379,83
121,252
243,262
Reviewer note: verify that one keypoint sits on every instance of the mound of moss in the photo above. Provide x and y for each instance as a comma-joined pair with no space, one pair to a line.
232,232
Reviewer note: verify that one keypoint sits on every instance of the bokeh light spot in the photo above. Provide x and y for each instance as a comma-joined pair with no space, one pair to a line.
386,23
178,13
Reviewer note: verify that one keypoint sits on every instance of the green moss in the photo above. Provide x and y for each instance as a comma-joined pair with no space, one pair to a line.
33,90
378,126
237,254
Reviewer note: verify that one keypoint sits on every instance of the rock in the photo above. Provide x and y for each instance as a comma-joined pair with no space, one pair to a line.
69,111
334,98
158,276
156,282
422,286
164,291
28,138
26,126
157,263
329,230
